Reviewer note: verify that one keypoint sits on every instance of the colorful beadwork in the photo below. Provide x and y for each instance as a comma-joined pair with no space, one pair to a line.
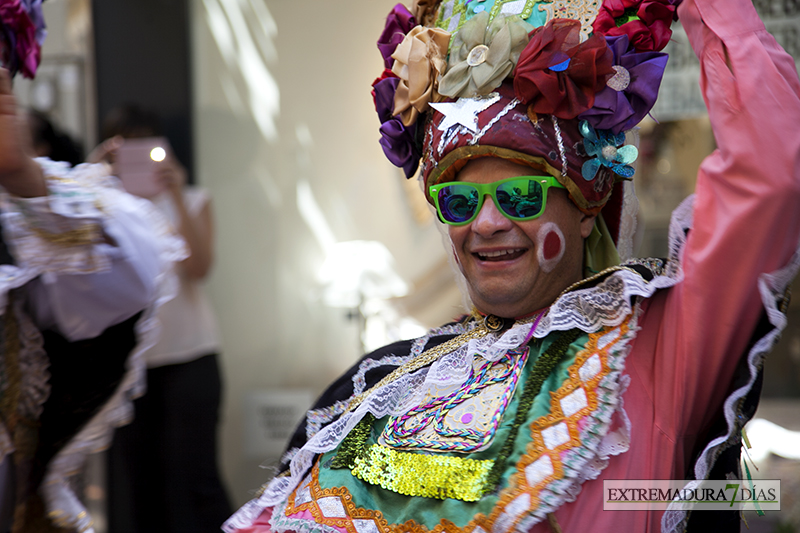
543,367
438,424
354,444
430,476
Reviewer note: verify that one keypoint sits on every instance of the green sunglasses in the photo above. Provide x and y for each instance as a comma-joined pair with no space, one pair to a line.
520,198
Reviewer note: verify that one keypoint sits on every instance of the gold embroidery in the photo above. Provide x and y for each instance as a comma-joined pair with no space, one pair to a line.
584,11
87,234
429,476
424,359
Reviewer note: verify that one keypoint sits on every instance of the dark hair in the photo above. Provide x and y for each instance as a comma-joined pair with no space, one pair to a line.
54,143
130,121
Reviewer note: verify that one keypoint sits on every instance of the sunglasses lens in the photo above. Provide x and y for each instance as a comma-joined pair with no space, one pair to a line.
457,203
520,198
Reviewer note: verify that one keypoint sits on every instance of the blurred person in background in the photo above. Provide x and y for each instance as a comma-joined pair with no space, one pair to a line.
163,467
49,141
84,267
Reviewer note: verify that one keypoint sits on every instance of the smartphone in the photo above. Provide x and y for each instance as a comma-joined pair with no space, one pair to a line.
136,164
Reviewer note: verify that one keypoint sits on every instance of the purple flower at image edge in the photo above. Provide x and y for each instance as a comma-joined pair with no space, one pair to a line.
23,52
630,95
398,24
34,9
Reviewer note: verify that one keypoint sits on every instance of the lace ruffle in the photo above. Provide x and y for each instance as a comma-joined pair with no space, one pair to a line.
772,288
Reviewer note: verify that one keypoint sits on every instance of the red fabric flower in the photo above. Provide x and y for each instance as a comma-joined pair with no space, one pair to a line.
645,22
559,75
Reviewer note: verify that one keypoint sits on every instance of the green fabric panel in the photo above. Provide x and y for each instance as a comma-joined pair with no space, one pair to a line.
599,252
398,508
538,18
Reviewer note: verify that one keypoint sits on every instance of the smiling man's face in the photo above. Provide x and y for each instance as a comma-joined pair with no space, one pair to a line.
514,268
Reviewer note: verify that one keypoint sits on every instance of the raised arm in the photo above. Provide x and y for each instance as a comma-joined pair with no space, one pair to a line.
19,174
746,216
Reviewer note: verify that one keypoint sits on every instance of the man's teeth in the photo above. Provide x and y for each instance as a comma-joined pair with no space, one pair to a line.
500,253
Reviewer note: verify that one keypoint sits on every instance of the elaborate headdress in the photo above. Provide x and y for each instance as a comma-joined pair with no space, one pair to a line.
22,34
550,84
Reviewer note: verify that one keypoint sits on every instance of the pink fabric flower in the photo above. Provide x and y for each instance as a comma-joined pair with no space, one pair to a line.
645,22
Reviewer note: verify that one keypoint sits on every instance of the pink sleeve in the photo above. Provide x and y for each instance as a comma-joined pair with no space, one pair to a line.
746,210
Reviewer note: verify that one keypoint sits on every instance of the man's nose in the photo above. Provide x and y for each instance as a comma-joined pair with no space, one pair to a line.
490,220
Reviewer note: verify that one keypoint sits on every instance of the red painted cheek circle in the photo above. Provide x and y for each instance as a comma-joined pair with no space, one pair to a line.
552,246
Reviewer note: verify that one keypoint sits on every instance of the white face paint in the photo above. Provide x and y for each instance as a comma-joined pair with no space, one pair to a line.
550,246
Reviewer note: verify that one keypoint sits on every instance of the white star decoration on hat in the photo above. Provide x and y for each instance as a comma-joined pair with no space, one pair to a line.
464,111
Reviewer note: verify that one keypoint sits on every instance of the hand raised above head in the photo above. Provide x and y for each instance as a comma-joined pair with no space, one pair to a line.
19,174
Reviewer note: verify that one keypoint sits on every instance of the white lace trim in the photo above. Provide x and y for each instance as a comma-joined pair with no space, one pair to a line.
772,288
316,418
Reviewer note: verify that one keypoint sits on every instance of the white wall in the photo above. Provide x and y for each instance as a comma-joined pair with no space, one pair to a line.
253,148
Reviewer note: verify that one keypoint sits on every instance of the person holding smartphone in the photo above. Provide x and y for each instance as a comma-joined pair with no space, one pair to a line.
162,467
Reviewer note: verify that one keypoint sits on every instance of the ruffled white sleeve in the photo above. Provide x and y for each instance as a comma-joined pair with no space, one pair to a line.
100,254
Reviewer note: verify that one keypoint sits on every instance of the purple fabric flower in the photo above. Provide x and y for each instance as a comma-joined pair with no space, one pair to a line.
383,90
398,23
397,140
21,51
632,92
34,9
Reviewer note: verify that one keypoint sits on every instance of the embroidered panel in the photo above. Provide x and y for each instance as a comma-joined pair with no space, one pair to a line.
560,442
463,418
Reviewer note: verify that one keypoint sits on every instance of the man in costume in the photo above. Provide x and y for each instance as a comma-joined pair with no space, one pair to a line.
577,364
84,266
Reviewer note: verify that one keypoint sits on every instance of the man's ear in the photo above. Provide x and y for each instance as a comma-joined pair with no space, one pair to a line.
587,223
